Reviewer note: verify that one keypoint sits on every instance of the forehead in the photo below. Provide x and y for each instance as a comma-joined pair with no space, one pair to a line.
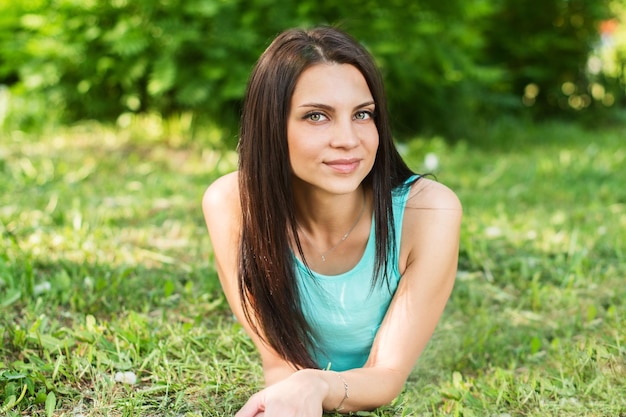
328,83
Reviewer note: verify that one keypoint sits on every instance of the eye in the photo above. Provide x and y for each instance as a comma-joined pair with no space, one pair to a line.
363,115
315,117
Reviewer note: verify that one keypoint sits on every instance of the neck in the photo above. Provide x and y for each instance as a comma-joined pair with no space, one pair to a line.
324,240
329,214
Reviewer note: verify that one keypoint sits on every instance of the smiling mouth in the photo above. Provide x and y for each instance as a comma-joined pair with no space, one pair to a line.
344,166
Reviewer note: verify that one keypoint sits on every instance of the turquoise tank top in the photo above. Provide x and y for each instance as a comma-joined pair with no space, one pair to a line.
344,311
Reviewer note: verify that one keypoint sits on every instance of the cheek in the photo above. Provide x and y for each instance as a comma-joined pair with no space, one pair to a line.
304,143
372,139
300,151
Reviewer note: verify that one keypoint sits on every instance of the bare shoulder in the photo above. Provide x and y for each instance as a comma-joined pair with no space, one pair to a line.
431,225
222,211
222,196
432,195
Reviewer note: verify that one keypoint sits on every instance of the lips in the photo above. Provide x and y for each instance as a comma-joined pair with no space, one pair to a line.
344,166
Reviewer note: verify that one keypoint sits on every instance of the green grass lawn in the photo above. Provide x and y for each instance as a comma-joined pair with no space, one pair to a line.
106,277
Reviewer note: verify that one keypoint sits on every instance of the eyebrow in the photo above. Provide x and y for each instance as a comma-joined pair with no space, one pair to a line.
327,107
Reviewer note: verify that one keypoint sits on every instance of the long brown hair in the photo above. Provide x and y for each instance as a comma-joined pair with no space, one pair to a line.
267,281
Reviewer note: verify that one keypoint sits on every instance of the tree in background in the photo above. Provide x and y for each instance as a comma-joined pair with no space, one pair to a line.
607,63
544,48
448,64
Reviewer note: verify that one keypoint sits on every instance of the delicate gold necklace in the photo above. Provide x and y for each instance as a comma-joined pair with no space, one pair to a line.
344,237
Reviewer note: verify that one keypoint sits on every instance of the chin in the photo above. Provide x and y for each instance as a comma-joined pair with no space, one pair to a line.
332,184
342,186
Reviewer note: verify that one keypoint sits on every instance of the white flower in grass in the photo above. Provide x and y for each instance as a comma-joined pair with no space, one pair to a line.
493,231
431,162
42,287
126,378
88,282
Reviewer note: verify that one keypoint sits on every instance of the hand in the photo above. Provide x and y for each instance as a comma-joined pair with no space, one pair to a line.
299,395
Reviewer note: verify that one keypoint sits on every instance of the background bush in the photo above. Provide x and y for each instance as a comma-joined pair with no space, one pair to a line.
449,65
545,50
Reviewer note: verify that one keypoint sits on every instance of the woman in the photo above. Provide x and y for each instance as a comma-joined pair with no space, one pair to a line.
334,256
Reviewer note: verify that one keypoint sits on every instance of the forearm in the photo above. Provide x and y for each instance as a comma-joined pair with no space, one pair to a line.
275,374
359,389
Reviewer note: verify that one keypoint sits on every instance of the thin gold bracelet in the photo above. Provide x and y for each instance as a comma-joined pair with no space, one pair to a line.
345,393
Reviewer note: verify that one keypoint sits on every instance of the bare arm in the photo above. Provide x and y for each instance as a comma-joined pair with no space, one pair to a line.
222,213
429,254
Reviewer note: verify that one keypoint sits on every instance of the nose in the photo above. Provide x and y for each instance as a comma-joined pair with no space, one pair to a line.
344,135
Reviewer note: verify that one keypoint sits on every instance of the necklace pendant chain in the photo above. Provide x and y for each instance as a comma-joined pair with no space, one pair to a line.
343,238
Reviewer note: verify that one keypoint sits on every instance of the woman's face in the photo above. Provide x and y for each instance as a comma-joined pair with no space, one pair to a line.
331,132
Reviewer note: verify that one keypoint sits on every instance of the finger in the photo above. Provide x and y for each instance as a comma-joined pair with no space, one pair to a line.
252,408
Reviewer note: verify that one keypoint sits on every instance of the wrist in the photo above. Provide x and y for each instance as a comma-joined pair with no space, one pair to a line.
335,389
330,386
316,382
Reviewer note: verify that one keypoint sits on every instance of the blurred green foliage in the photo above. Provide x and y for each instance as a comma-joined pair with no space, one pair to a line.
449,65
544,51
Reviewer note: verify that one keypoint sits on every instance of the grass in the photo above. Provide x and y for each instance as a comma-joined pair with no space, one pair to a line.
105,268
